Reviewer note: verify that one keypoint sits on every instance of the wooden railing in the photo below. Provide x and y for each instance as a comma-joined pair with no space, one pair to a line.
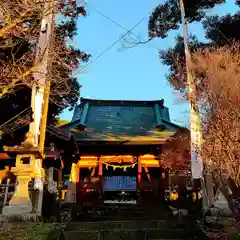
7,190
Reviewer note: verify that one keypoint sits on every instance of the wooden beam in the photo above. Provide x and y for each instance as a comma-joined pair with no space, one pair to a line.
86,164
149,160
4,156
93,172
88,161
148,174
150,165
119,158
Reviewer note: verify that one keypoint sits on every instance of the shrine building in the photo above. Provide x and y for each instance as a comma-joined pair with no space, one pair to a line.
119,146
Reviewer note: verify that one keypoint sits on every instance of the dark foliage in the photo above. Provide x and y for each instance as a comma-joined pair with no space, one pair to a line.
166,17
223,30
175,59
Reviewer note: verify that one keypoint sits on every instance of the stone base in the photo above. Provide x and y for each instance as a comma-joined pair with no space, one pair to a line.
220,212
17,210
19,217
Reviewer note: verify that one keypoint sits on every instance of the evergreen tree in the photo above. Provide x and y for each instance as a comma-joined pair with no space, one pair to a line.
219,31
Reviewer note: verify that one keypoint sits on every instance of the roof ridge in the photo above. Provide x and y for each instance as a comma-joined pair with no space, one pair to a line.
116,100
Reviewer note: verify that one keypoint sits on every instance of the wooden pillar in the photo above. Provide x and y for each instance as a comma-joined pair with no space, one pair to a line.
100,173
60,177
100,167
78,184
139,177
139,171
77,174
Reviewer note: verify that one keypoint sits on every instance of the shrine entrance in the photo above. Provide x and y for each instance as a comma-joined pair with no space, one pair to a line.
120,183
120,179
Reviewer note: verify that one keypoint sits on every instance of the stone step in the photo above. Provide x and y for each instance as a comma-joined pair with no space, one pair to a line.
131,210
121,216
126,214
127,234
132,206
118,217
109,225
124,210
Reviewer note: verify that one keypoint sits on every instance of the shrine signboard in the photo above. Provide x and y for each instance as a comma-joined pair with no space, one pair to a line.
120,183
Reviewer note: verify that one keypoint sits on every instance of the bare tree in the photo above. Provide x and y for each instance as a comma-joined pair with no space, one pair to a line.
217,77
19,31
217,70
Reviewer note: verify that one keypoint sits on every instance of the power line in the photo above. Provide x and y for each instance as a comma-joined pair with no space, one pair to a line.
112,45
14,117
109,47
143,41
19,126
119,25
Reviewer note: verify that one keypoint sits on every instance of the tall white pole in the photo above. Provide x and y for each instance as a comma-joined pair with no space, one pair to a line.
197,167
195,129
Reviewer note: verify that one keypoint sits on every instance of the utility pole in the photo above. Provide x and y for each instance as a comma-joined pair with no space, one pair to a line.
41,74
195,128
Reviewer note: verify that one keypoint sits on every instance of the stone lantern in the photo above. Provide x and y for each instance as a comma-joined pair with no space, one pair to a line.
26,168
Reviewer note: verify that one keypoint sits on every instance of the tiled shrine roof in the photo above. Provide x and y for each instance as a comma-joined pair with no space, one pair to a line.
121,121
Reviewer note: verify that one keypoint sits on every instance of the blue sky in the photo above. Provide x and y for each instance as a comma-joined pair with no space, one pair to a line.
134,74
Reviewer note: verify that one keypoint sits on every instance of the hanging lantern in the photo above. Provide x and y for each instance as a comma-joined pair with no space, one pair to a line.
114,168
107,167
124,169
